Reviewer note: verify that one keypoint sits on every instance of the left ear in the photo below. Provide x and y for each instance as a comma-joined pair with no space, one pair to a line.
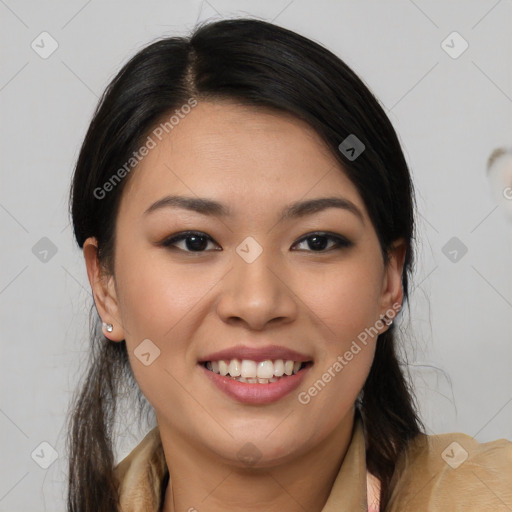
392,292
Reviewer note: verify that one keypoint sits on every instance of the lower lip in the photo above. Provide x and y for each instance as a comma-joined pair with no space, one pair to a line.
257,393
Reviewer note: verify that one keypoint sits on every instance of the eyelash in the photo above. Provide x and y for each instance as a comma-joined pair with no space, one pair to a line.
340,242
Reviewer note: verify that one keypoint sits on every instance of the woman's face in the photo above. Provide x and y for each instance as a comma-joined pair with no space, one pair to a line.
253,284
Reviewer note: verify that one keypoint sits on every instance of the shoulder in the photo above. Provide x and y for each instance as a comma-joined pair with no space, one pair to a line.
140,475
143,453
453,472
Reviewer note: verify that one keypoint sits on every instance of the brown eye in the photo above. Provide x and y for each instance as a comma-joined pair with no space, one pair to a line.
193,241
318,242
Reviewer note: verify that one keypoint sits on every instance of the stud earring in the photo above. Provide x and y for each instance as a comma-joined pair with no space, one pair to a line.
386,320
108,327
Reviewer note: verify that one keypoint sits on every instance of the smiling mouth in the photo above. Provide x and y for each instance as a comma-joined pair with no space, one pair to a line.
253,372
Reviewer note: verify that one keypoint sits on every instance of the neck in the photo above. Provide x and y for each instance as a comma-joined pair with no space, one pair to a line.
200,480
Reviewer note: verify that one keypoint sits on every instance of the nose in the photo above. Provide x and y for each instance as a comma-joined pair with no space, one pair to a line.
256,294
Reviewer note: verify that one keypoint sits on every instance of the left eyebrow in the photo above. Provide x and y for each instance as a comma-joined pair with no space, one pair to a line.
302,208
206,206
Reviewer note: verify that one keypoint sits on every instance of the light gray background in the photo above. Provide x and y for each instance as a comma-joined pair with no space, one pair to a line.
449,113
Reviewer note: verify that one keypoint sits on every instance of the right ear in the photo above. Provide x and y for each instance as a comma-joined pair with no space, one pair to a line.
104,292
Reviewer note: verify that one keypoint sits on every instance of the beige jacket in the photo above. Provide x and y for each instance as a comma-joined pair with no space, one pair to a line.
447,472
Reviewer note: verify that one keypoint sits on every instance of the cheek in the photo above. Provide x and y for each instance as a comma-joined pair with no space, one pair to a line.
345,298
160,303
155,295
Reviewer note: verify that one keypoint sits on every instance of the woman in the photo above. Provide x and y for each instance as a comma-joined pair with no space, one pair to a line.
246,216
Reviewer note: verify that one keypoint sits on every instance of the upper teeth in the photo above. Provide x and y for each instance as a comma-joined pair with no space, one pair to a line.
251,369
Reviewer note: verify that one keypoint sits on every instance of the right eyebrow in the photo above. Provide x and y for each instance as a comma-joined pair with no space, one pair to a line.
200,205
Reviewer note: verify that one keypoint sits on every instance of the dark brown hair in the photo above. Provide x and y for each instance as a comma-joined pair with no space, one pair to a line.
259,64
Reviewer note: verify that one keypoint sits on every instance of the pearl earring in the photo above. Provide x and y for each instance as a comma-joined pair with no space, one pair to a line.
108,327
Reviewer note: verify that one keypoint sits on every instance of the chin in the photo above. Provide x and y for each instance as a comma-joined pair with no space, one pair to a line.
259,451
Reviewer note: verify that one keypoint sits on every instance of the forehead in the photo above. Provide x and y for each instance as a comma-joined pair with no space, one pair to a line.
242,156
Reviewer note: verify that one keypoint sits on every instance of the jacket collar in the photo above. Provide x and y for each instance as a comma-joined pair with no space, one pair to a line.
143,476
